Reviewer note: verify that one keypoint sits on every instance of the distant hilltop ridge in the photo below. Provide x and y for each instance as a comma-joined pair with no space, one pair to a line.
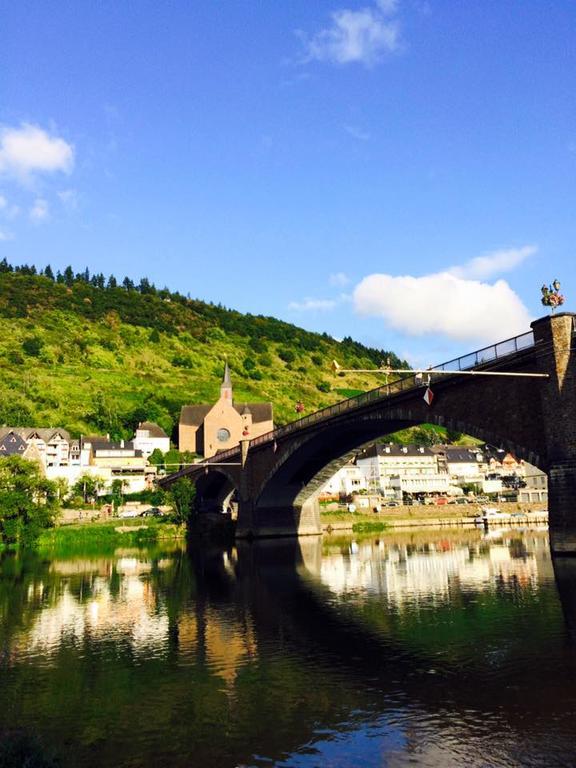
96,354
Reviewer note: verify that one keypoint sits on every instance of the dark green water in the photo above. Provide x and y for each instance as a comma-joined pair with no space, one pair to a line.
422,649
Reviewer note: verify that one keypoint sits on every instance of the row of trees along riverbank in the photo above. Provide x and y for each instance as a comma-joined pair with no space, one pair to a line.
30,503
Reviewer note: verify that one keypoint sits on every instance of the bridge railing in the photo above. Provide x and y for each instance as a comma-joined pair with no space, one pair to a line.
472,360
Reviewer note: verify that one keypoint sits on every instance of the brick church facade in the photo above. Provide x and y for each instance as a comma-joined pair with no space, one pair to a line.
207,429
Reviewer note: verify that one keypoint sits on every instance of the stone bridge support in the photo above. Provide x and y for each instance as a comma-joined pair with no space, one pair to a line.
554,337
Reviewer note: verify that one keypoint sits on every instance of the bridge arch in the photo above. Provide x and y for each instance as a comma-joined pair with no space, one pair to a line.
301,471
215,488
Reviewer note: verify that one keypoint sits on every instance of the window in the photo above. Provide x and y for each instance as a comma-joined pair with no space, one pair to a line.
223,435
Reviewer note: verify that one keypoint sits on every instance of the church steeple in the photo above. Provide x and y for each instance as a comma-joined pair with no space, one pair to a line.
226,386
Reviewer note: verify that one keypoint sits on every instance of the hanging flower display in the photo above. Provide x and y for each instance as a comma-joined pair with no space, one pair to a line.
551,296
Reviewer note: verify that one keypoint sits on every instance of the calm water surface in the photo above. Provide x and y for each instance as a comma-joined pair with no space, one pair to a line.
421,649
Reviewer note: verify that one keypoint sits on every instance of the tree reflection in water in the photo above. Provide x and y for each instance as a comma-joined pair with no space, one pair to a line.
419,646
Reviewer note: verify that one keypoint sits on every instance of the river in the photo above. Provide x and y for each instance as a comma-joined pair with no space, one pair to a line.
426,648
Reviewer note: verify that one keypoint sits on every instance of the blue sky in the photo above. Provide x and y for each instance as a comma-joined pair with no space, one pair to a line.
400,172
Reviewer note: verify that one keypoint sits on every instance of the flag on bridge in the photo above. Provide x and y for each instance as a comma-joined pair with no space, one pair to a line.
428,396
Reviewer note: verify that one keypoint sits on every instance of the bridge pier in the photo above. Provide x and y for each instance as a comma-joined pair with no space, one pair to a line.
554,337
288,520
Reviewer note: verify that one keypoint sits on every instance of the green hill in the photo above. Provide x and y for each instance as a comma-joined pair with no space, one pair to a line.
90,355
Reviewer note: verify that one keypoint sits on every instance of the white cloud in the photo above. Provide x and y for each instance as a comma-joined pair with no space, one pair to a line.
308,305
362,36
445,304
339,279
29,150
483,267
40,211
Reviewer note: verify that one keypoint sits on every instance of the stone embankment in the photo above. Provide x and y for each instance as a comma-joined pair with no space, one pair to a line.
449,515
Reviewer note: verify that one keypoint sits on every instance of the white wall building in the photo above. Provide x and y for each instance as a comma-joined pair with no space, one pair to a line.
349,479
395,469
150,436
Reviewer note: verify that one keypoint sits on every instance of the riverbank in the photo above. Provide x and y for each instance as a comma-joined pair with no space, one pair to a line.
424,516
110,533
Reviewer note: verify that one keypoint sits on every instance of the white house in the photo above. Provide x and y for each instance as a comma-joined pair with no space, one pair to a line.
347,480
150,436
392,469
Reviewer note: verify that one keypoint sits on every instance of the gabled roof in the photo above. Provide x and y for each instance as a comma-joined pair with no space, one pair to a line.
260,411
44,433
153,429
12,445
194,415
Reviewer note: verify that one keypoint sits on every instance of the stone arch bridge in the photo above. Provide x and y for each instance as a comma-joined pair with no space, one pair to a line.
276,477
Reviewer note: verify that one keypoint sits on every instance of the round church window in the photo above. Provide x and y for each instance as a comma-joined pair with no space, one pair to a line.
223,435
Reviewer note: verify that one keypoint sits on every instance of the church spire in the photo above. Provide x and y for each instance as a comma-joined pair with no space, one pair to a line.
226,386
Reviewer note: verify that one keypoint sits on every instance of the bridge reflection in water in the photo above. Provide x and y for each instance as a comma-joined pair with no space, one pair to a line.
422,648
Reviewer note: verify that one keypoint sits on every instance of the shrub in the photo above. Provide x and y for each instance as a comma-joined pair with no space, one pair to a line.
265,361
32,346
258,345
287,355
182,361
323,386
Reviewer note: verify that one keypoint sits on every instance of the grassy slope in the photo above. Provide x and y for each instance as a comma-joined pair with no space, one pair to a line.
108,358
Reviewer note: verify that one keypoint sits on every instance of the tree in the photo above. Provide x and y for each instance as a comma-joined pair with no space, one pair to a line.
117,493
156,457
88,487
48,272
28,501
181,498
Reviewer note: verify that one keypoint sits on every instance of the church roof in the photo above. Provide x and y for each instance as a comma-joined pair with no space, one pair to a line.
260,411
194,415
227,381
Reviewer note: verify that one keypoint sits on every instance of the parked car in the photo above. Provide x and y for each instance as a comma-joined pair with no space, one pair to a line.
152,512
130,513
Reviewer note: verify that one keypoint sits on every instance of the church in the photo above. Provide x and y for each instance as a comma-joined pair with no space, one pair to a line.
207,429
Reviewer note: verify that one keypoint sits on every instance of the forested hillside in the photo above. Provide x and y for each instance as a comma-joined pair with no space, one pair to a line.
91,354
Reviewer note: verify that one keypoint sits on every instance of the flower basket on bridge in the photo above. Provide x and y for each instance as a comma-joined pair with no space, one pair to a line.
551,296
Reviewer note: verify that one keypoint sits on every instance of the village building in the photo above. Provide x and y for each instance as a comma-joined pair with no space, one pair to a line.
207,429
120,460
393,470
347,480
150,437
463,464
52,446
